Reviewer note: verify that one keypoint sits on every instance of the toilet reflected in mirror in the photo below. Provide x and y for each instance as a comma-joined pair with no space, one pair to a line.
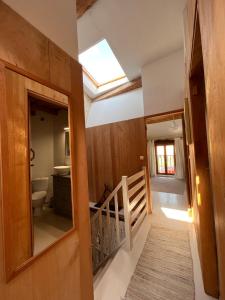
50,186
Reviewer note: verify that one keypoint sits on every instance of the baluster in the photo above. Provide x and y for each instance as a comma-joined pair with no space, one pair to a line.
108,227
117,219
101,234
126,206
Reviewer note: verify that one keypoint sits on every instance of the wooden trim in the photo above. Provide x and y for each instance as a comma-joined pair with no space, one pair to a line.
80,189
124,88
90,77
82,6
98,85
44,82
35,258
166,116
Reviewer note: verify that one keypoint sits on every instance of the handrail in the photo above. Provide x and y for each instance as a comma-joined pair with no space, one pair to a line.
135,200
108,230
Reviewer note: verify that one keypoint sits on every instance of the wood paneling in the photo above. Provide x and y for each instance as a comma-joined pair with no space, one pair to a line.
114,150
189,21
59,64
16,47
205,222
24,47
212,24
64,271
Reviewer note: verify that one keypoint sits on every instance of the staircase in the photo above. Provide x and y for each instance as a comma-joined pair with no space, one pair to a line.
111,227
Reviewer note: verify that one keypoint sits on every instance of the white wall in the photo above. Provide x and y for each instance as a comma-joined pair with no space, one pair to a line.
163,84
119,108
56,19
48,142
42,142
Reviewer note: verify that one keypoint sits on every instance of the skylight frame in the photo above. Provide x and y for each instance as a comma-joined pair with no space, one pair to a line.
91,77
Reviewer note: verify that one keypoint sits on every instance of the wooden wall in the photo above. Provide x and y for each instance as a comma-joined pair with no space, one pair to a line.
114,150
212,29
64,271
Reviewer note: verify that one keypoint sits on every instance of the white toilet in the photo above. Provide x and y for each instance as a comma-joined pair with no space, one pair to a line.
39,194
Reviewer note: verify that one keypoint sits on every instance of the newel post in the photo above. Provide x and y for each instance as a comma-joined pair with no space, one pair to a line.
126,207
148,193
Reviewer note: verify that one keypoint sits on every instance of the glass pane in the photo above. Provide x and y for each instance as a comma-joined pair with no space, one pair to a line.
50,173
101,63
169,150
160,159
160,150
170,159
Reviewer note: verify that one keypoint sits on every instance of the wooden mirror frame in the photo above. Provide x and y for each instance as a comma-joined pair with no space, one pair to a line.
17,233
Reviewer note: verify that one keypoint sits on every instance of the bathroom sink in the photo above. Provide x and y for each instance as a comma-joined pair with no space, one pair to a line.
62,170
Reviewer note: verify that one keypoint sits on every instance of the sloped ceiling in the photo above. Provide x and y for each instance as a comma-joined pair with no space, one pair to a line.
138,31
165,130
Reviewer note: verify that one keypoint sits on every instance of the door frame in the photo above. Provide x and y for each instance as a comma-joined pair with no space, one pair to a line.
168,116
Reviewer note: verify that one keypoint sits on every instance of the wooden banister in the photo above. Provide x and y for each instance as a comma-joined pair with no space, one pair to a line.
108,231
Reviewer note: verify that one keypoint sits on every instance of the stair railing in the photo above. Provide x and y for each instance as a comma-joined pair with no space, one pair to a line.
135,202
111,227
107,229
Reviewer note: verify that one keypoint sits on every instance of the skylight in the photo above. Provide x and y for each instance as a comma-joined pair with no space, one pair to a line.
101,64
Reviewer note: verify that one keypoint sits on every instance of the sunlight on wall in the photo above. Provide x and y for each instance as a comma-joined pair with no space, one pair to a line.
175,214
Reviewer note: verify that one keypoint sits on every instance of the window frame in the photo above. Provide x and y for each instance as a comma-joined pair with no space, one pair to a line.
165,143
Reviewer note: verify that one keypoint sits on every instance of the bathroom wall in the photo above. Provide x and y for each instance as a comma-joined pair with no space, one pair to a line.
48,142
42,143
60,122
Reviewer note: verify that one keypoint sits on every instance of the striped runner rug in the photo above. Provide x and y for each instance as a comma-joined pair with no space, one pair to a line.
164,270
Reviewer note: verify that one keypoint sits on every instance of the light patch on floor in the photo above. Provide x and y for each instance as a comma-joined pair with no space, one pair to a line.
177,214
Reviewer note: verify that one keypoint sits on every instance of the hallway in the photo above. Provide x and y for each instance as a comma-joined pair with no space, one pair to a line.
170,212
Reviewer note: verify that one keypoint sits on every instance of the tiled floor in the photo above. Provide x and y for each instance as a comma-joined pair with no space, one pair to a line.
169,210
167,184
48,228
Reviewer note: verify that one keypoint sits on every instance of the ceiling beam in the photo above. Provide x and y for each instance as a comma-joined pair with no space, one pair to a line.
83,6
126,87
166,116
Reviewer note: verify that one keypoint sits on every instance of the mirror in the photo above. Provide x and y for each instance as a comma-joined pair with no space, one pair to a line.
50,185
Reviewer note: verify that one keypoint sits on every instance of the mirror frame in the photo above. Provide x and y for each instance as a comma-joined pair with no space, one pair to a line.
47,94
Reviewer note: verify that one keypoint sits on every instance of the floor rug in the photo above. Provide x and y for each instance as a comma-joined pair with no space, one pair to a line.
164,270
167,185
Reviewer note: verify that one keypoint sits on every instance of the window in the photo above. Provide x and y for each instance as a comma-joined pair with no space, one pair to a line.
101,65
165,157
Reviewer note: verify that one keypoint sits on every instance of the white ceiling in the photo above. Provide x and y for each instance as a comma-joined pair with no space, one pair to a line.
164,130
138,31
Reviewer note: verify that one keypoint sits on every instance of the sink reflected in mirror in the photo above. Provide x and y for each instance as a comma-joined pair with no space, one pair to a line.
62,170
